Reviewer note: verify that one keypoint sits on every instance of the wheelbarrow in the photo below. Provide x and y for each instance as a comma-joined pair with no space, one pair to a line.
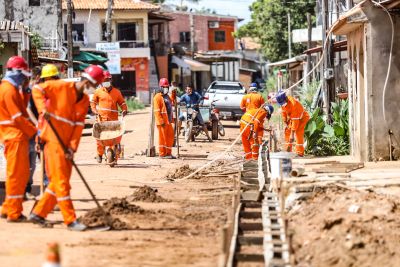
109,134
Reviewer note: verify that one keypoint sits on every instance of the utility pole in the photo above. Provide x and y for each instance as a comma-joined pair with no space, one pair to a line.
191,33
109,20
325,51
289,36
309,27
70,42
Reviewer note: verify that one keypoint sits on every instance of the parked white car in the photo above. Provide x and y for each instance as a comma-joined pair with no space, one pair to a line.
229,96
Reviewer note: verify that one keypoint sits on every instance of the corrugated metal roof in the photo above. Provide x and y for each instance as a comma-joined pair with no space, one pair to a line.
118,5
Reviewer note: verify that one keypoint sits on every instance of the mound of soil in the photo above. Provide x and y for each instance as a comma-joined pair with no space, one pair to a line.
96,218
114,206
340,227
146,194
182,172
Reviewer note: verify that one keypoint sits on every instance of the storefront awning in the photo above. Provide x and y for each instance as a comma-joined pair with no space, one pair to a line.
190,64
90,57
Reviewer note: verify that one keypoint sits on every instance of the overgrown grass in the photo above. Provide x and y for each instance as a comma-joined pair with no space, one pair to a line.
134,104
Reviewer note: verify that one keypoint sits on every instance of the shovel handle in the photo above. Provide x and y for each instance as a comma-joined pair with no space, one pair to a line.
64,147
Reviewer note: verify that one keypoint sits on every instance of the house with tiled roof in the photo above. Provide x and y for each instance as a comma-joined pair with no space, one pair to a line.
130,37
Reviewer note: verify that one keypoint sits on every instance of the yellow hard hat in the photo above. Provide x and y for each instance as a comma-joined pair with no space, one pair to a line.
49,70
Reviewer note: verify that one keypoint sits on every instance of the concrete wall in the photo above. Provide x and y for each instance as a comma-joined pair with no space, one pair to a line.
374,111
93,20
42,19
377,58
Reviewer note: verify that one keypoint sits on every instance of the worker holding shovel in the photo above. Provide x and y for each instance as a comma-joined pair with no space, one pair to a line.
105,103
296,118
62,107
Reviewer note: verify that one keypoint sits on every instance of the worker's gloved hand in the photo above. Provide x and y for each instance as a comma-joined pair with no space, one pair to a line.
69,154
46,115
124,113
291,140
162,124
255,135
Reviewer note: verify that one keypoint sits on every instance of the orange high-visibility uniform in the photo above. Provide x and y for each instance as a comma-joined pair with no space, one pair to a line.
15,132
67,113
106,104
296,118
255,119
251,101
164,126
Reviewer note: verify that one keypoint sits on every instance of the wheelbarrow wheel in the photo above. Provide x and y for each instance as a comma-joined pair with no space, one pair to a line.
110,157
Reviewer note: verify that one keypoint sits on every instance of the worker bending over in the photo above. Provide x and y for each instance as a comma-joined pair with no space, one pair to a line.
295,118
164,119
252,99
65,105
15,132
251,127
105,103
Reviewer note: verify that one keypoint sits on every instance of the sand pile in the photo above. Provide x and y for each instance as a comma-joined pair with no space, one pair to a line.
146,194
182,172
339,227
112,207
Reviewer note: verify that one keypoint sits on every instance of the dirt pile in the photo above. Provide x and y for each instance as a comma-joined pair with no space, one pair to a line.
112,207
182,172
340,227
146,194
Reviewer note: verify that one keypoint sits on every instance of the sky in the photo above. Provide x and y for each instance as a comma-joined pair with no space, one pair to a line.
238,8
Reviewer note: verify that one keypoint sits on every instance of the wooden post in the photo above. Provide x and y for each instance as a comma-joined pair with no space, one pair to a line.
151,150
109,21
309,26
70,42
177,129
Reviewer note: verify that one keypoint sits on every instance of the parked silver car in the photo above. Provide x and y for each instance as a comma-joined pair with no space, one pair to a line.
229,96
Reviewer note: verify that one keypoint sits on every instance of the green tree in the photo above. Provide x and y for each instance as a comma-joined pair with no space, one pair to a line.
269,23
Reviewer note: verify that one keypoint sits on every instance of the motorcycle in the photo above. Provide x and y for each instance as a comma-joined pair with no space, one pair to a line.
215,123
192,127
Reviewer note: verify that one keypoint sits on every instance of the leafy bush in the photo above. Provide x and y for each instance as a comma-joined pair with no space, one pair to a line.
324,139
134,104
307,94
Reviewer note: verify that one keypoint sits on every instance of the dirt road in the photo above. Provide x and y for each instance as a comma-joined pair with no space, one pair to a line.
183,231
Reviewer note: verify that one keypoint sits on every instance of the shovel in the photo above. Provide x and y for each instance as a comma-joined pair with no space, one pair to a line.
64,147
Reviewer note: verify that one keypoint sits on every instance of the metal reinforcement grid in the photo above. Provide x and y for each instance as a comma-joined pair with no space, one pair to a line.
258,238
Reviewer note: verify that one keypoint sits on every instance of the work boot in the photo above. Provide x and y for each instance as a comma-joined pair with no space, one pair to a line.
21,218
77,226
3,216
29,196
36,219
168,157
99,158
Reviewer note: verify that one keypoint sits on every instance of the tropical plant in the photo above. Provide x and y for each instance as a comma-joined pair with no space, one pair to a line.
134,104
37,40
307,94
269,23
324,139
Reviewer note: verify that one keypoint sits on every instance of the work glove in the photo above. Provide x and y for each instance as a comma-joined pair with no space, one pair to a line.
69,154
46,115
255,136
124,113
291,140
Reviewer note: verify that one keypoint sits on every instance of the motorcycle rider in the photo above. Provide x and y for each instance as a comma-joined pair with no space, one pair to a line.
193,99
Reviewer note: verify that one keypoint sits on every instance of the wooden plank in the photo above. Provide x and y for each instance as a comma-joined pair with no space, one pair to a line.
342,167
250,257
250,214
246,226
251,240
251,195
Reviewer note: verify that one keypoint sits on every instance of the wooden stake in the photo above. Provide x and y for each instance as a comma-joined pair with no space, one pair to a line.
151,150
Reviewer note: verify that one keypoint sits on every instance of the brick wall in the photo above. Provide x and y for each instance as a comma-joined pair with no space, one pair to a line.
181,23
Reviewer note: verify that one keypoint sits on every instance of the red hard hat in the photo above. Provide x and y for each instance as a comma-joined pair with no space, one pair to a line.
107,74
94,74
17,63
163,82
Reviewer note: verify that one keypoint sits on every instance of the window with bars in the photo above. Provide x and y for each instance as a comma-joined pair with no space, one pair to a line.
219,37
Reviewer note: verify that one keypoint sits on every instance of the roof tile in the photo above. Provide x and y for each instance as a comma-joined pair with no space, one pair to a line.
118,4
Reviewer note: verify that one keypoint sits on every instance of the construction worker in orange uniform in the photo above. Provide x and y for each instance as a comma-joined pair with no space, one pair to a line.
105,103
254,118
253,100
295,117
15,132
164,119
65,104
